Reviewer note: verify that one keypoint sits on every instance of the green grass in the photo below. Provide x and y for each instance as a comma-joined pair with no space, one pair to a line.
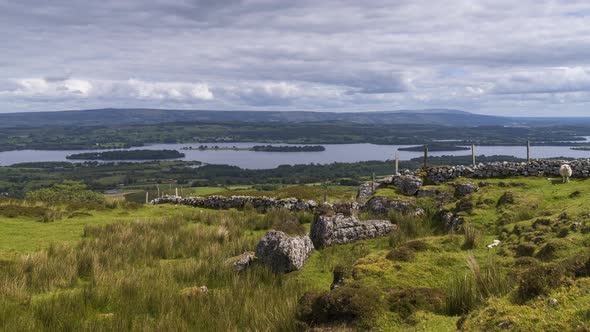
134,263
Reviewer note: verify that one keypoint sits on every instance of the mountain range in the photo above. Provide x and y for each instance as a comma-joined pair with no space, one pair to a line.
136,116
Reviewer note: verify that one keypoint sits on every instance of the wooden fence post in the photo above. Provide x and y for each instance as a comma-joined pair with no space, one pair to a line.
528,151
396,163
425,155
147,197
473,154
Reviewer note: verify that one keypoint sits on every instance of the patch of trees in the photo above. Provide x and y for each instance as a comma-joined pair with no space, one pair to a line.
288,148
128,155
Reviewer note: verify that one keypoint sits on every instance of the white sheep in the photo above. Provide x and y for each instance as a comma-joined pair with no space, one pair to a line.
565,171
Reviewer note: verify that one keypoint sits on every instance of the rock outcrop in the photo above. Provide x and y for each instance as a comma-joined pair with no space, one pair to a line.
340,229
365,192
283,253
464,189
449,220
407,184
383,206
243,261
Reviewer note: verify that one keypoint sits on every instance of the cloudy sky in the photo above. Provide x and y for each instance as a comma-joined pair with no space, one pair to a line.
526,57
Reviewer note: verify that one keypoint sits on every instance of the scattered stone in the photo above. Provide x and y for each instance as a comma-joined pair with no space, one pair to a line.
427,192
341,229
464,189
449,220
283,253
419,212
552,301
243,261
383,206
408,184
365,192
505,325
338,278
192,292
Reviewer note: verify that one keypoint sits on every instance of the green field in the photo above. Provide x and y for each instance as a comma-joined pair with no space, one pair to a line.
130,267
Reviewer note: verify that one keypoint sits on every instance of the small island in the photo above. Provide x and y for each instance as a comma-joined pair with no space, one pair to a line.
435,147
581,148
128,155
262,148
289,148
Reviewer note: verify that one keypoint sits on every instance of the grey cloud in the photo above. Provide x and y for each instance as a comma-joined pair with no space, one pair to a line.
264,54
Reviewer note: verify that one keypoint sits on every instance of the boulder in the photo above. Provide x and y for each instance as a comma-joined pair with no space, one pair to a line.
383,206
464,189
449,220
340,229
427,192
284,253
243,261
408,184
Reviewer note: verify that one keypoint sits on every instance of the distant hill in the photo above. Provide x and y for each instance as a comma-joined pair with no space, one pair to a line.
112,116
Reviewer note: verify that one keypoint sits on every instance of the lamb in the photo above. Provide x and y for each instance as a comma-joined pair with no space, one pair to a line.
565,171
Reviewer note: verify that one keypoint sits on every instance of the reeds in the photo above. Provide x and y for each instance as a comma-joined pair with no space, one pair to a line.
467,290
129,276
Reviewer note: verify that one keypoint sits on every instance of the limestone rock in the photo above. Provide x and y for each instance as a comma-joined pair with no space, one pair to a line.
408,184
340,229
464,189
283,253
427,192
449,220
262,204
441,174
383,206
365,191
243,261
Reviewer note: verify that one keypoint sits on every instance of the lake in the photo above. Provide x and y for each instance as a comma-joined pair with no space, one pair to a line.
333,153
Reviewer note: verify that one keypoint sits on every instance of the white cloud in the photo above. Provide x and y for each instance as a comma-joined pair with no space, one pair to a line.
550,80
132,88
169,90
489,56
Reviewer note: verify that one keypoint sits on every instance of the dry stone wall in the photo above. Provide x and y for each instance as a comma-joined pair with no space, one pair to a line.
221,202
341,229
549,168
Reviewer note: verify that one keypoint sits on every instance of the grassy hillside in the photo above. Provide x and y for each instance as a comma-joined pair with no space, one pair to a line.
121,266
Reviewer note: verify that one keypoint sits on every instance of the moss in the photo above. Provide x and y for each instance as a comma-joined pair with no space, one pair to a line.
402,254
540,280
416,245
406,301
347,304
506,198
526,262
525,249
